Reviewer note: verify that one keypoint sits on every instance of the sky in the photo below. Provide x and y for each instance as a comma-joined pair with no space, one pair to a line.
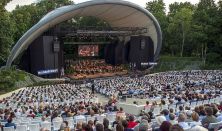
13,3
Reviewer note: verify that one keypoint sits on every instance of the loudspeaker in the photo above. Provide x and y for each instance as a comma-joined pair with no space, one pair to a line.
114,53
45,54
56,46
141,52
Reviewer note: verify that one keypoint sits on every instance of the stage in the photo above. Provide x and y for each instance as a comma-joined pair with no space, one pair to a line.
97,75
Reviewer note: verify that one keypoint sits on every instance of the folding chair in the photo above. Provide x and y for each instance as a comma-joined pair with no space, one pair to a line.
46,125
8,129
34,127
56,125
21,128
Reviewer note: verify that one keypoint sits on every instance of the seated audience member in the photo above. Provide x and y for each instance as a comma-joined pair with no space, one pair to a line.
91,124
64,126
121,113
160,120
195,120
189,114
181,121
119,127
209,117
99,127
172,119
55,117
144,121
131,123
165,126
118,119
147,107
165,112
78,126
176,127
9,123
106,124
125,125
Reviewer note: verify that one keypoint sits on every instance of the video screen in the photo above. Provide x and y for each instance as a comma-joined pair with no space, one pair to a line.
88,50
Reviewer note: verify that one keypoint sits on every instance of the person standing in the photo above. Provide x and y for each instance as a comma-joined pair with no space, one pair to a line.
93,88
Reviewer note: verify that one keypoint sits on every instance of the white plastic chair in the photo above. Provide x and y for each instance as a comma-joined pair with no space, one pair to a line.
156,111
46,125
80,120
199,103
215,126
21,128
34,127
8,129
70,123
56,125
100,118
193,105
212,101
111,117
90,118
206,102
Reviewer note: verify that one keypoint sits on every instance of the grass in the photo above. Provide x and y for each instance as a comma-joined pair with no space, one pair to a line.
169,63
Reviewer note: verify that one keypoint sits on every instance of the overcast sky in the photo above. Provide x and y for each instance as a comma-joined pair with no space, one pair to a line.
13,4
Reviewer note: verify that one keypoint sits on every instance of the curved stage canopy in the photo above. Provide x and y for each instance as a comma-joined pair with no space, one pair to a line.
117,13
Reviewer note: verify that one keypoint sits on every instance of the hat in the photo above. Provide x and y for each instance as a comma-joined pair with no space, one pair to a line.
160,119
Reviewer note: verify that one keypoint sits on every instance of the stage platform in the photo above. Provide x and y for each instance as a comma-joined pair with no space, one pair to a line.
98,75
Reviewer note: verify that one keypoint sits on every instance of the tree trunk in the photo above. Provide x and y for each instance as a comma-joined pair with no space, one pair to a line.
183,41
205,54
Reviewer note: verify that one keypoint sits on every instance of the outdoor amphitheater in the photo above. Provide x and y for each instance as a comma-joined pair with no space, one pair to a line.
103,76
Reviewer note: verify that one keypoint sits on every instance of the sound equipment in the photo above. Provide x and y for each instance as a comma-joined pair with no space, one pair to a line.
44,56
141,52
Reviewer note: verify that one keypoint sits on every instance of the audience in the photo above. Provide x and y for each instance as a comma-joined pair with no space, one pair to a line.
169,92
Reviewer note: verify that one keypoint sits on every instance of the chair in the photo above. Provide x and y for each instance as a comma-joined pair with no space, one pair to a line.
150,129
100,118
212,101
80,120
34,127
56,125
71,123
199,103
90,118
215,126
46,125
24,123
3,123
8,129
193,104
156,111
111,117
206,102
21,128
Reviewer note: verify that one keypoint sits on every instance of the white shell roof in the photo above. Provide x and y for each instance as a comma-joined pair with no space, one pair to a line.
117,13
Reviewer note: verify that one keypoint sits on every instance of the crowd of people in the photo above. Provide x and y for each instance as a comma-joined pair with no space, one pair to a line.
68,107
182,86
91,67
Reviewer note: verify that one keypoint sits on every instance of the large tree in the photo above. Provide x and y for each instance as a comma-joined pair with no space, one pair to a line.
6,32
158,9
205,28
180,24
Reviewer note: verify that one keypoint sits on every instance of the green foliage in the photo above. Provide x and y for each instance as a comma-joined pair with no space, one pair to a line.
169,63
8,79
